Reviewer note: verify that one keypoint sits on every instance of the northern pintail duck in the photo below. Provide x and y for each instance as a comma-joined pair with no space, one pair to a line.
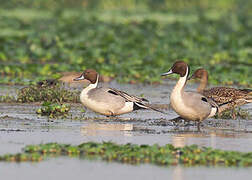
108,101
189,105
222,95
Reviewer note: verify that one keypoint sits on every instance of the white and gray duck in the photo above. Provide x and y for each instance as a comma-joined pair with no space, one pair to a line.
189,105
108,101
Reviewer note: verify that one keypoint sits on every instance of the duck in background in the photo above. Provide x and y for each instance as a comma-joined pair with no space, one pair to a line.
230,97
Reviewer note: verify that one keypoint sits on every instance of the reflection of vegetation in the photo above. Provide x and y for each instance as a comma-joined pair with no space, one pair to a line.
38,40
53,110
135,154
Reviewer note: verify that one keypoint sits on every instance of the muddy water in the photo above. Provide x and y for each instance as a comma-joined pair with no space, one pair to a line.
19,126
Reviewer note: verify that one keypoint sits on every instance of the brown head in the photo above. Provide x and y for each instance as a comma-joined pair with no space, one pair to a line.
89,74
203,76
200,74
179,67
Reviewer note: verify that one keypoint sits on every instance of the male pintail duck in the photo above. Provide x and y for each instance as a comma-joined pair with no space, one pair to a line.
222,95
189,105
108,101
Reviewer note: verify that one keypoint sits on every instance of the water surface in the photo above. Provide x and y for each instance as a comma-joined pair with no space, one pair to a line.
20,126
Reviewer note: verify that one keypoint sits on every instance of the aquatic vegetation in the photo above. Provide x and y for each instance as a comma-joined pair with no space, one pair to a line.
43,92
166,155
7,98
132,41
53,110
237,113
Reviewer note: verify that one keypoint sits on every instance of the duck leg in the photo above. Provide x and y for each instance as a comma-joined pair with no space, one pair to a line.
198,125
111,114
175,121
233,113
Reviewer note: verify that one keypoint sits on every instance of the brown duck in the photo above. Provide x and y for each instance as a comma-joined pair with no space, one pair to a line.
232,97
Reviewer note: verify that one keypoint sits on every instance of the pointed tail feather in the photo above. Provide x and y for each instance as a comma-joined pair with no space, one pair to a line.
126,96
145,106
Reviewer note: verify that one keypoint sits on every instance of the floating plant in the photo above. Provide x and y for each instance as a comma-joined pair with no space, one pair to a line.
53,110
166,155
47,92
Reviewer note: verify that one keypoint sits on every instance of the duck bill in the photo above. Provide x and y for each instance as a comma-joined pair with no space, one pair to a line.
167,73
79,78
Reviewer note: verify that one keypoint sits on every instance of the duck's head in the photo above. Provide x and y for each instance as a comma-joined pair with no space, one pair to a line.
89,74
199,74
179,67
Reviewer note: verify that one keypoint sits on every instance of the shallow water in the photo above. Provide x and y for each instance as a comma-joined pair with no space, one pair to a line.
19,126
66,168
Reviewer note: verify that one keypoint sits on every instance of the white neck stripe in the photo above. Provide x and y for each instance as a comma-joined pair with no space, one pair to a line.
92,86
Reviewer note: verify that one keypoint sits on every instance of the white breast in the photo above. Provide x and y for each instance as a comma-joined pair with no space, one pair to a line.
105,108
177,101
213,112
179,106
93,105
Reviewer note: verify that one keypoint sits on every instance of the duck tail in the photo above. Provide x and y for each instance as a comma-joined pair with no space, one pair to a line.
248,91
249,99
148,106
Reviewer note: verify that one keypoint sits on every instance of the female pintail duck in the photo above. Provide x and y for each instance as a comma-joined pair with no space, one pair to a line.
222,95
108,101
189,105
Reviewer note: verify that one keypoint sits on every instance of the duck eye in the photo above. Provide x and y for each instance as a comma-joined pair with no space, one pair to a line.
204,99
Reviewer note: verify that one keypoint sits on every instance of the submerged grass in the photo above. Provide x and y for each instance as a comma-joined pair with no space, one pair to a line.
166,155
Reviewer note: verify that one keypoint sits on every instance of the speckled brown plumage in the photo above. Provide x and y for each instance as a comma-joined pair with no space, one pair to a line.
230,97
224,94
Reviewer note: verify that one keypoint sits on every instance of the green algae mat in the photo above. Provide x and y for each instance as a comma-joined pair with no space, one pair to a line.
166,155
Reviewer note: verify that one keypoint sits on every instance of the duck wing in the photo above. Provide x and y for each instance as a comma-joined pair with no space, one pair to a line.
136,100
126,96
210,101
